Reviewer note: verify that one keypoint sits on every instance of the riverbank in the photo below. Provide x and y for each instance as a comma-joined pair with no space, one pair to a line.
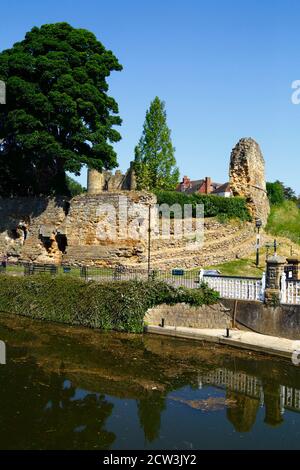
250,341
111,305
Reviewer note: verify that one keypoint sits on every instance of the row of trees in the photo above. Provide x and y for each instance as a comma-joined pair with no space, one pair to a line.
59,116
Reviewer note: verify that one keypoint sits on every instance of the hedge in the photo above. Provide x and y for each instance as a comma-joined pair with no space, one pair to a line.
117,305
231,207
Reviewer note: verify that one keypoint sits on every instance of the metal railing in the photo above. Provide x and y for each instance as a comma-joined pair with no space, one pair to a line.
175,277
230,287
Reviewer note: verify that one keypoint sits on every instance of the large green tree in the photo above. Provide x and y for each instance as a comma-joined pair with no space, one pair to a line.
155,162
58,115
278,192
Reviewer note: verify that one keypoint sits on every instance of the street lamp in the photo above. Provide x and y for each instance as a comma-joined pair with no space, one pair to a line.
258,224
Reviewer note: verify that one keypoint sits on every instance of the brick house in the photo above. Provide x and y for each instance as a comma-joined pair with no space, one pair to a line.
204,186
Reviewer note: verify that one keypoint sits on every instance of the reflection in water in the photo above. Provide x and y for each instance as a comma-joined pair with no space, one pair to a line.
249,393
38,411
68,388
243,416
149,412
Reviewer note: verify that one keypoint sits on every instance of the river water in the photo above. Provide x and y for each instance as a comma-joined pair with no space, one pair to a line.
75,388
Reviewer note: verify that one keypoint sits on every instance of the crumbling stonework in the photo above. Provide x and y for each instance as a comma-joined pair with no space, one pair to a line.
108,228
84,230
80,231
247,177
107,181
28,228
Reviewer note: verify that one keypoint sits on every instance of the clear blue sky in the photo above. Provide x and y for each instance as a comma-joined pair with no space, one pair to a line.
223,67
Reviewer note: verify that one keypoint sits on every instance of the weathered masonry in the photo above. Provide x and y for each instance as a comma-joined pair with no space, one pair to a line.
247,177
80,231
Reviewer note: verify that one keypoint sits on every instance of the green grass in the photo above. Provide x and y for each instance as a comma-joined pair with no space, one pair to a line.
284,221
240,267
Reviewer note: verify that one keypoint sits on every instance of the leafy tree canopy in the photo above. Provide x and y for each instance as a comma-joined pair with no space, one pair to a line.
275,193
278,192
58,115
155,163
74,187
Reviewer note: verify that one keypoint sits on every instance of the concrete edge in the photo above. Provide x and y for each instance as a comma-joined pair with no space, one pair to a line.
217,339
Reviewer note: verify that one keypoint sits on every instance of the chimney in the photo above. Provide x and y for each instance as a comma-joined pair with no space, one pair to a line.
207,185
185,184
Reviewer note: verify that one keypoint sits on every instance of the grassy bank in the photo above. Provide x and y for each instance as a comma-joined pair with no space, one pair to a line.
242,267
117,306
284,221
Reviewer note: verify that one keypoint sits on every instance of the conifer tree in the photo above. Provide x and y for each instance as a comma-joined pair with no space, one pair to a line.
155,162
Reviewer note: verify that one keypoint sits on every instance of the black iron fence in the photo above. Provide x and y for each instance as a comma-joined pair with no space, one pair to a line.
176,277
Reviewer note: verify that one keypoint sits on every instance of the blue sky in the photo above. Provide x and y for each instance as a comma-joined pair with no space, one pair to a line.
223,67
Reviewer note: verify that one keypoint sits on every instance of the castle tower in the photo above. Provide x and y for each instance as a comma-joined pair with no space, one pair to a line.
247,177
95,182
132,176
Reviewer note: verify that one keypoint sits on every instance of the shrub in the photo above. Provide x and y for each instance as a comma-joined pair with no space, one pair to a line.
109,306
231,207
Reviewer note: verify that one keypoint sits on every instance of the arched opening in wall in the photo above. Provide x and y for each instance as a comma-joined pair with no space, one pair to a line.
24,230
18,233
47,242
67,206
62,242
13,234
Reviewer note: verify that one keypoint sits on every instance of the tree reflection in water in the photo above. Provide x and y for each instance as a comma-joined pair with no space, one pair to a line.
38,411
60,385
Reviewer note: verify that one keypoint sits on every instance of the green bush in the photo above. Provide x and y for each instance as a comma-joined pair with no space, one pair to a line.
109,306
275,193
231,207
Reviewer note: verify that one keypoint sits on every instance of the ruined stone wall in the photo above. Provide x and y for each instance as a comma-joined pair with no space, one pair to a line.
107,181
247,177
22,222
80,231
108,228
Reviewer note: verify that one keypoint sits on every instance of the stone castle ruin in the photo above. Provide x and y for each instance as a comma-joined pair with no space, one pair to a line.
247,177
106,181
46,230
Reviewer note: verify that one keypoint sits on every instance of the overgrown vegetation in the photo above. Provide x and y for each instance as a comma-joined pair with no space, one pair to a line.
109,306
232,207
284,221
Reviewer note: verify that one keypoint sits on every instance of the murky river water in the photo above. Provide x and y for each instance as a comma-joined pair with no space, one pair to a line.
74,388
